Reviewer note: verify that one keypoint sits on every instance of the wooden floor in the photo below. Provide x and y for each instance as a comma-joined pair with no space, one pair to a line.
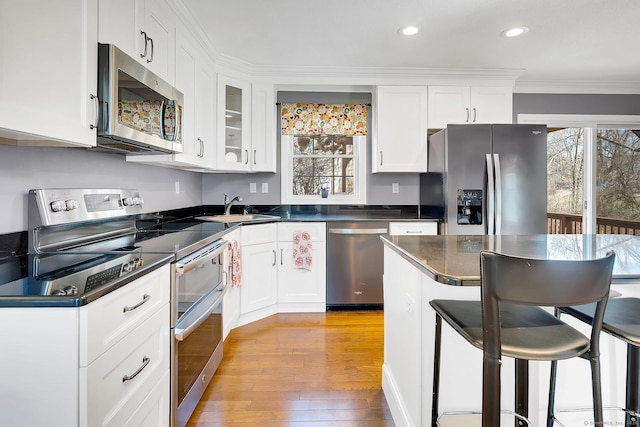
311,370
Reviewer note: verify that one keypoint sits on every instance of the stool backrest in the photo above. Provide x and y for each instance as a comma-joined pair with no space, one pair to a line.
540,282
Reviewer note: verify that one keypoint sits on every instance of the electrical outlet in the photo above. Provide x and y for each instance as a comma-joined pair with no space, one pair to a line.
252,187
177,187
265,187
395,187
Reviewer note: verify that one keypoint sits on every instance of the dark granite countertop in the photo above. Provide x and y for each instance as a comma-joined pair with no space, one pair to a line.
455,260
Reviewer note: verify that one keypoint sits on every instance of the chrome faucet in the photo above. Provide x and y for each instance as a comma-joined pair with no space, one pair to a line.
228,203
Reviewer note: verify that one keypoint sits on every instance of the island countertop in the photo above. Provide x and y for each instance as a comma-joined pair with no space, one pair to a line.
455,260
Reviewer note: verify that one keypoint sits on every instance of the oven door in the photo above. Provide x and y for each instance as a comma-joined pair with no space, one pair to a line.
197,294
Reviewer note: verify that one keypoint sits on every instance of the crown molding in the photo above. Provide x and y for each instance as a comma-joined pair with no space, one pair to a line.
576,87
335,75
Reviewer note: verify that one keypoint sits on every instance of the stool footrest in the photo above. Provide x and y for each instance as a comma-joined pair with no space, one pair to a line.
473,418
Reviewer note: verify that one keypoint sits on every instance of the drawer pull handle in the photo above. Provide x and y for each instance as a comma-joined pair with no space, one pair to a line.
145,298
145,362
414,231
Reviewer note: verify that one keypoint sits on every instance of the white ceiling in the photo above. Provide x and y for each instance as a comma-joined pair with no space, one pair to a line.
568,40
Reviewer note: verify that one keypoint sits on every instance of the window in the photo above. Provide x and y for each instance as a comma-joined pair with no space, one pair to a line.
312,163
323,148
323,163
593,167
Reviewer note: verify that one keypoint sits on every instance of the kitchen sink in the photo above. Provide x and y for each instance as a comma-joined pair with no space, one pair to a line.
244,218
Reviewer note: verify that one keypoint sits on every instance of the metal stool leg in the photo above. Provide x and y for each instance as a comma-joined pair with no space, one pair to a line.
552,394
522,390
596,384
436,372
632,405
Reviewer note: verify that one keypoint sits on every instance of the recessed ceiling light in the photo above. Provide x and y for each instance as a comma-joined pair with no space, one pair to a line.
409,30
515,32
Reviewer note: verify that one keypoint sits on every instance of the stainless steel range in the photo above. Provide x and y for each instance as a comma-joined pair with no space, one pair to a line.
84,244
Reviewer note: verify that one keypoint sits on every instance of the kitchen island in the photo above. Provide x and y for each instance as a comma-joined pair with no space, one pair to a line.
419,269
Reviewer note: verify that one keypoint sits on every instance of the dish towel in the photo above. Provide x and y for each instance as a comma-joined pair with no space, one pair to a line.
302,247
235,269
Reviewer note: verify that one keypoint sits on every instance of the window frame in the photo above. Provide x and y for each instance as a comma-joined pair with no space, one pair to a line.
591,123
360,176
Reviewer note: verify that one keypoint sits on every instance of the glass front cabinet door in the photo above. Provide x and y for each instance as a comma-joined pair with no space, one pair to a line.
234,138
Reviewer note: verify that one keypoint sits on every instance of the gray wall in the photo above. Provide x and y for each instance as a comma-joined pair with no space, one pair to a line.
24,168
540,103
214,187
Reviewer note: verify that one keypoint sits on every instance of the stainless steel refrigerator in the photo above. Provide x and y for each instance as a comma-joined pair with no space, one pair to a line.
487,179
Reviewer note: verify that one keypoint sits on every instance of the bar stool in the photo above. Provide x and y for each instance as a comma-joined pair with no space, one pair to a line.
622,321
509,321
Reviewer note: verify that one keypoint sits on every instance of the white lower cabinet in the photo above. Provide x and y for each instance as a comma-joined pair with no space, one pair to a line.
117,382
413,228
270,281
231,301
69,366
258,292
302,290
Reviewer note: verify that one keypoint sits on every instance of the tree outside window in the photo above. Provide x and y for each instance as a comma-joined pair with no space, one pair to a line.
323,162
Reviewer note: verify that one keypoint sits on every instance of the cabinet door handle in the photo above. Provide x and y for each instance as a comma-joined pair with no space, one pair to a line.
474,114
143,34
145,362
274,257
201,153
281,256
246,162
145,298
467,114
96,101
380,158
254,156
152,50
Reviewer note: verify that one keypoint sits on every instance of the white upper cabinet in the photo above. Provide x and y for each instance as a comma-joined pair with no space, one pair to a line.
234,124
196,80
469,104
48,69
263,128
144,29
400,129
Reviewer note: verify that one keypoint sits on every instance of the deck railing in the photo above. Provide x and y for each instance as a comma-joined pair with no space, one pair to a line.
558,223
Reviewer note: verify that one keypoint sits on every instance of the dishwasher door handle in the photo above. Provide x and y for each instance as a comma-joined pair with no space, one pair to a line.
358,231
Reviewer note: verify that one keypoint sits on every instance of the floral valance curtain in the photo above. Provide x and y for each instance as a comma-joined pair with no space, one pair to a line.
324,119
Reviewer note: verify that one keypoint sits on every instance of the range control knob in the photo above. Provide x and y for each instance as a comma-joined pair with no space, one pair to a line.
127,201
126,268
71,290
136,201
71,204
58,205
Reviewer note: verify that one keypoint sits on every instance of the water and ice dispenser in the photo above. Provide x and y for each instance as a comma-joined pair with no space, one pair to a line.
469,206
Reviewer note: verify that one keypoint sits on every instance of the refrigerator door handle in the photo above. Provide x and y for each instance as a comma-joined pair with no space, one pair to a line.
496,165
490,197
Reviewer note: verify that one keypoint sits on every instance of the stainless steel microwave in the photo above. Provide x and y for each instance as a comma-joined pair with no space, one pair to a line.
139,113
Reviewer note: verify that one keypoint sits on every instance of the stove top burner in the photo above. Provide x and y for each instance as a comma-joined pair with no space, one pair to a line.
86,243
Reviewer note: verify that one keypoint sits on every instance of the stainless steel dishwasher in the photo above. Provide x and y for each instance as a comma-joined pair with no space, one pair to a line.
355,264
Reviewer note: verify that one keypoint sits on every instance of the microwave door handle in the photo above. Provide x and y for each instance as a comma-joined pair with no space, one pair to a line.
177,126
163,108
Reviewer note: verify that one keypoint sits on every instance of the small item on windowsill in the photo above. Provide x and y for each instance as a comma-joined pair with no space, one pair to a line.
324,192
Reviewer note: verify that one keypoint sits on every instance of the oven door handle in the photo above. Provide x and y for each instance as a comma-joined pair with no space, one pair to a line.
198,313
197,260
